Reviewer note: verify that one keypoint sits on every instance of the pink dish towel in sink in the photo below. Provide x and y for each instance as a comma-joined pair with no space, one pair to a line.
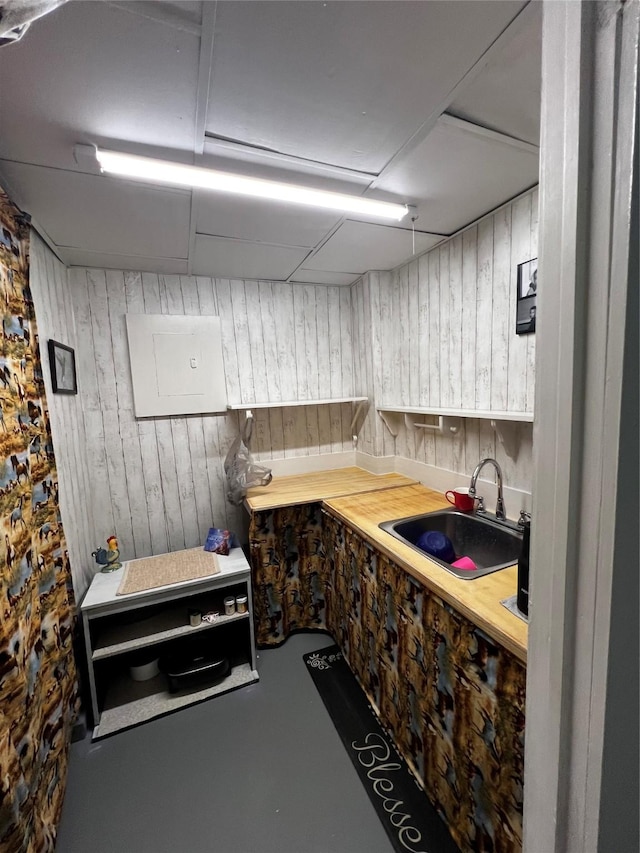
464,563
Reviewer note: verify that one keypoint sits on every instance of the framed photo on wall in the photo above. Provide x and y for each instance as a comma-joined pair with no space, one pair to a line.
527,295
62,362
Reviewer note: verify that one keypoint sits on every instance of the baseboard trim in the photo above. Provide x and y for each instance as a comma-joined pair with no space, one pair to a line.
307,464
376,464
439,479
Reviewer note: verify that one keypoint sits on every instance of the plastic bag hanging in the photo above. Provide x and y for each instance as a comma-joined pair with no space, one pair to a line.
241,471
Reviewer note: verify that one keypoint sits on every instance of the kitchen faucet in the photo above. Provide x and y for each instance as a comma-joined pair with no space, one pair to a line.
500,511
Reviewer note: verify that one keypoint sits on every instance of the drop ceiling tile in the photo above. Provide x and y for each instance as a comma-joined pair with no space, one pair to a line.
260,163
100,214
304,276
361,246
179,13
80,258
97,73
455,176
505,96
222,258
342,83
261,221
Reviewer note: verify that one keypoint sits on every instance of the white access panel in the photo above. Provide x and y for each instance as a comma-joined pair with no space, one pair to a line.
176,364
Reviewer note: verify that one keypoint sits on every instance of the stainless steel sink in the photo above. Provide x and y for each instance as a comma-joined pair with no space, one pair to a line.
490,544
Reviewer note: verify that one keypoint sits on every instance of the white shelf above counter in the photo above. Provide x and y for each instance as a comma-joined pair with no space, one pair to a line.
281,404
358,405
487,414
443,420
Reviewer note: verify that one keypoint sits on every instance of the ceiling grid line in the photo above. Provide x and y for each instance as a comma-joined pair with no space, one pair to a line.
288,92
205,61
515,24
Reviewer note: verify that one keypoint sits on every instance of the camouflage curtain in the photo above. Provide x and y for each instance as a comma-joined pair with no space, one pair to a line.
38,688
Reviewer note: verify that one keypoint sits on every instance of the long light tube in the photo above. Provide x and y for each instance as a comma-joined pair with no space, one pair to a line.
163,172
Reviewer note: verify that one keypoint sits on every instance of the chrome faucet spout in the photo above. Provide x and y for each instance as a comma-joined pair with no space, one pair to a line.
500,510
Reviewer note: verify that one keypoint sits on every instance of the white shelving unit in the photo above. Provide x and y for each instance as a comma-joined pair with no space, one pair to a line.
442,421
148,632
115,626
359,404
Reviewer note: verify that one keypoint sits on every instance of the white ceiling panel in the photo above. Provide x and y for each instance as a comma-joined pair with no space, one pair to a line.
100,214
324,94
360,246
183,14
505,96
95,73
455,176
342,82
215,256
80,258
261,221
259,163
340,279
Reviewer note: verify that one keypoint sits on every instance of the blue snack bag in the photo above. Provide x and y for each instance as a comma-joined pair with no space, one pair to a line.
219,541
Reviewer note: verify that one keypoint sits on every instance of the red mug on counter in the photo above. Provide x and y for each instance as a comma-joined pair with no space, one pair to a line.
460,498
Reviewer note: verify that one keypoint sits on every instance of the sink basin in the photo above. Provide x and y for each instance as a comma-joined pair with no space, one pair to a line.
491,546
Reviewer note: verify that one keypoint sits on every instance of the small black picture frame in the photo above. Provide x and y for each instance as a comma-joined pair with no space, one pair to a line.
527,296
62,363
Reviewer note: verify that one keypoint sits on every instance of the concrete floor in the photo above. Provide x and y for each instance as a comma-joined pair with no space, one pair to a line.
258,770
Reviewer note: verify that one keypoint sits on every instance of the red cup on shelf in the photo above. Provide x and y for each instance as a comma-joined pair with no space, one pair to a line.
460,498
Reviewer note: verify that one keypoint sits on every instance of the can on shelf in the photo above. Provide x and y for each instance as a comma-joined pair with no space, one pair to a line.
229,605
241,603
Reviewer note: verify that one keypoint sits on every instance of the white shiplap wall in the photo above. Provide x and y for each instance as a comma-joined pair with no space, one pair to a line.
440,331
369,366
55,319
159,483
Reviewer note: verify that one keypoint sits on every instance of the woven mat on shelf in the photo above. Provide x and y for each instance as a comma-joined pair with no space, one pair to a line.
165,569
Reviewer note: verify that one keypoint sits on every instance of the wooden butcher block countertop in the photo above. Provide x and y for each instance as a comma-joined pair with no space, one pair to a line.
478,599
319,486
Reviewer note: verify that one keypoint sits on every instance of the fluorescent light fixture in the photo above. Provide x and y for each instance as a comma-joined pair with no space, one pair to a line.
163,172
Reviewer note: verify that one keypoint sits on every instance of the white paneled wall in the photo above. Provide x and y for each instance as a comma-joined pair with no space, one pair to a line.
369,367
55,319
159,483
440,332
